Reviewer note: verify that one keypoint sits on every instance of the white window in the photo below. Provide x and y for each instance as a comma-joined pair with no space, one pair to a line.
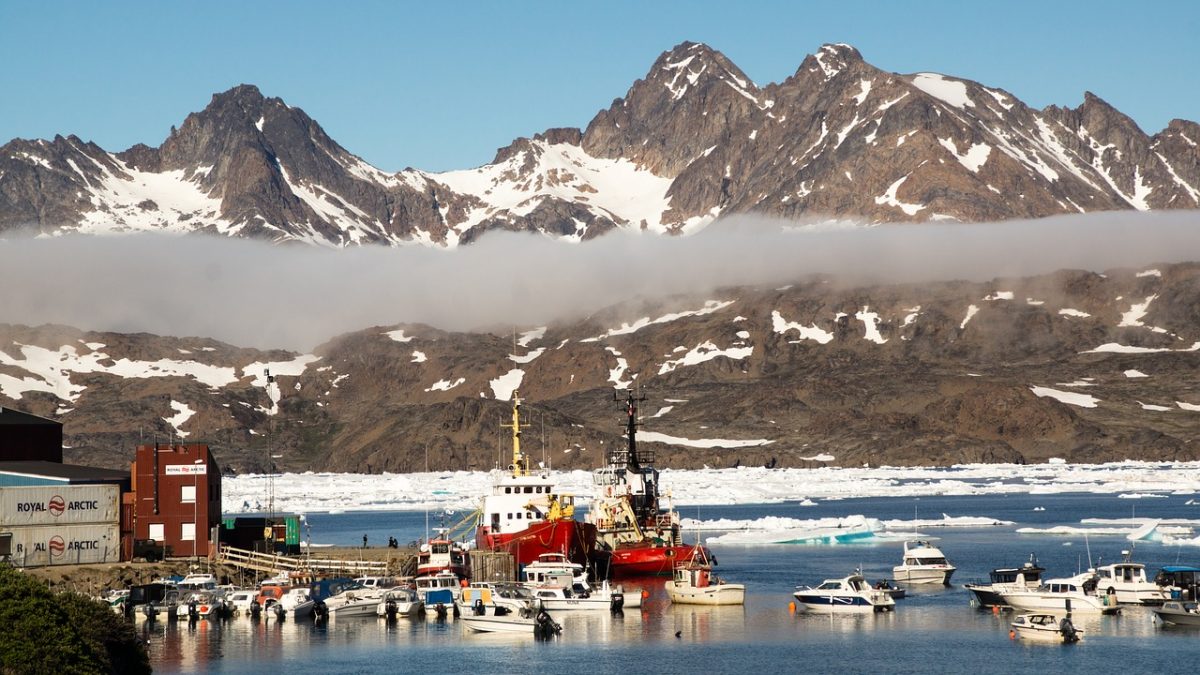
187,531
189,494
156,532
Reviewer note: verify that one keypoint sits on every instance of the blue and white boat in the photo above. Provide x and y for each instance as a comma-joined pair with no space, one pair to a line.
849,594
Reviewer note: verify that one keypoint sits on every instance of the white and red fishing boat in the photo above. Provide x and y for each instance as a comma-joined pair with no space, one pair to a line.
639,531
442,554
527,516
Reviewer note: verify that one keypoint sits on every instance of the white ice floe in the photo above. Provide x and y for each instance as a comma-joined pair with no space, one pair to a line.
855,528
744,485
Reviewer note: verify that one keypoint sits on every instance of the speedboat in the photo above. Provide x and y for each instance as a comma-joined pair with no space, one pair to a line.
1127,581
923,564
397,602
528,620
1074,594
439,590
1046,627
1179,613
204,604
489,595
296,603
355,601
583,597
1004,579
848,594
695,583
241,600
552,569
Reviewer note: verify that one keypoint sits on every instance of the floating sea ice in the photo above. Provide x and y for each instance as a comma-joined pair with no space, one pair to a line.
1039,508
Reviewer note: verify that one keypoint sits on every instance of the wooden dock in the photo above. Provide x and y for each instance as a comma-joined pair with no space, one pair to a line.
353,562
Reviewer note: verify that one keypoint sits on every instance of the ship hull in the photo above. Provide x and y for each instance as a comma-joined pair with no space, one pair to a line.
574,539
643,561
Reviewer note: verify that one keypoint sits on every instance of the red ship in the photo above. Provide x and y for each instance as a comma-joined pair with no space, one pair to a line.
642,536
526,516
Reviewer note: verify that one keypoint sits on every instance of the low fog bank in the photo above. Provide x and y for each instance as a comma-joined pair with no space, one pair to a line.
254,294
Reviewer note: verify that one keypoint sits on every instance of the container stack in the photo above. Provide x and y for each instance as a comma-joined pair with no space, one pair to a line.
60,524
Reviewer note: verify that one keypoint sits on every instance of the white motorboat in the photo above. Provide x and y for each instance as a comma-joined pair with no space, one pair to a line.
923,564
1046,628
1127,580
489,595
694,583
441,589
583,597
400,602
501,619
849,594
552,569
197,582
1179,613
356,601
1005,579
296,603
206,604
240,600
1075,594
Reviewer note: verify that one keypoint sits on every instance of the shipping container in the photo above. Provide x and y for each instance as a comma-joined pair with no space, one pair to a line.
40,545
59,504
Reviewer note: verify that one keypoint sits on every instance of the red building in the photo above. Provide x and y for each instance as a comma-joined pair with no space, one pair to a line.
176,498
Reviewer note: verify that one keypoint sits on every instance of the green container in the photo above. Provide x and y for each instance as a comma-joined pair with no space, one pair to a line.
293,531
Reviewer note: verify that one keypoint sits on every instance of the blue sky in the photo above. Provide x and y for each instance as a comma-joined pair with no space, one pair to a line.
441,85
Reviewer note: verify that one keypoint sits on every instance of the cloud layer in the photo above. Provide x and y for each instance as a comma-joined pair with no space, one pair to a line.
257,295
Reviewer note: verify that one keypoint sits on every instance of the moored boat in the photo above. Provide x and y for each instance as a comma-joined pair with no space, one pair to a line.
527,620
640,533
583,597
694,583
526,515
1046,628
923,563
1074,594
400,602
1179,613
849,594
1004,579
1127,581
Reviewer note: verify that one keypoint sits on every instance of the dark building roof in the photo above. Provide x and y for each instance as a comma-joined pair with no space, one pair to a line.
10,416
73,473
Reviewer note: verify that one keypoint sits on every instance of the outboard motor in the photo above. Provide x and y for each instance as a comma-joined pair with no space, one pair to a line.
391,610
280,612
193,611
1069,634
255,610
320,611
441,611
617,605
544,626
150,611
478,607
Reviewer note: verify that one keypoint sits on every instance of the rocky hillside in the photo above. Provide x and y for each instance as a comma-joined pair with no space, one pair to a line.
1078,365
692,141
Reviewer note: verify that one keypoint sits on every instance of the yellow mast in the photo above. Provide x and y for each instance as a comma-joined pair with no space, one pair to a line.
519,465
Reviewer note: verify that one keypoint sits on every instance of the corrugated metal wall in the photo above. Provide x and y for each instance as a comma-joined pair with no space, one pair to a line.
38,545
61,504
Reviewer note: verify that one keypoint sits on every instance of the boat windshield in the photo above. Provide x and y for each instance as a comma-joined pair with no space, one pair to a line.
830,586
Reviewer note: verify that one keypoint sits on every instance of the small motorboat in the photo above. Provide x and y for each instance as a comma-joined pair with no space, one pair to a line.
1005,579
923,564
400,602
1179,613
582,597
529,619
848,594
695,584
356,601
204,604
240,600
897,592
1127,580
1046,628
1074,594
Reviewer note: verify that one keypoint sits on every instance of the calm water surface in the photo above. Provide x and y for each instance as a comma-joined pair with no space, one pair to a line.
933,630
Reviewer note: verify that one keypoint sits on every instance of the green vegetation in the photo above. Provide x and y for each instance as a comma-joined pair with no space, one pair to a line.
46,632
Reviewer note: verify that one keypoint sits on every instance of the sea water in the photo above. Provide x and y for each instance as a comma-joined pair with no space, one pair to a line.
935,629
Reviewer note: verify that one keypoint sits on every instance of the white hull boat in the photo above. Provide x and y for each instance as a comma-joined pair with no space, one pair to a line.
398,603
1073,595
1179,613
581,597
1127,581
1046,628
527,621
695,584
923,564
852,595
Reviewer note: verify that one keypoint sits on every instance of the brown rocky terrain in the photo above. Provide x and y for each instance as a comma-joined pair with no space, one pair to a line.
692,141
1085,366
